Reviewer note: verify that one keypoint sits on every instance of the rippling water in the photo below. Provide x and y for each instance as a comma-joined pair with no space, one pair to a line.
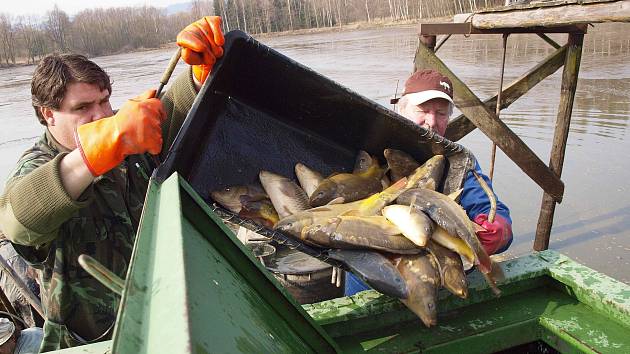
593,222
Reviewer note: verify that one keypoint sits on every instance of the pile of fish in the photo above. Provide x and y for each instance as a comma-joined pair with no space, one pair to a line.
387,224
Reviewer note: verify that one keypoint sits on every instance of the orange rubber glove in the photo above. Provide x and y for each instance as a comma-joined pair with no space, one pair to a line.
202,44
134,129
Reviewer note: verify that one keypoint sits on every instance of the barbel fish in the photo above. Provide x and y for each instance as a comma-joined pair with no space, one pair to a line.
451,269
422,279
449,215
375,269
359,232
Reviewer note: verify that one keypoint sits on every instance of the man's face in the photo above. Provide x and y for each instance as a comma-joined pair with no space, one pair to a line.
432,114
82,103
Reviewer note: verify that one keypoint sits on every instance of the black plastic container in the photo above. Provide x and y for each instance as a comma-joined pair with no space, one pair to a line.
260,110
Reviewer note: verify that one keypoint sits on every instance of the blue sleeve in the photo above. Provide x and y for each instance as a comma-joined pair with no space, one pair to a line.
475,201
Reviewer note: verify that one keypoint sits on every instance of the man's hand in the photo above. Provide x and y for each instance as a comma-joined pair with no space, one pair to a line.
135,129
202,44
493,236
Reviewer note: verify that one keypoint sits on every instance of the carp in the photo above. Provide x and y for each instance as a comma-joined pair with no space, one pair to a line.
422,279
413,224
309,179
286,196
400,163
350,186
232,198
451,269
374,269
260,211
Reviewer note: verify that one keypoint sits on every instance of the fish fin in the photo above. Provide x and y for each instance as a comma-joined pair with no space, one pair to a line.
353,212
492,284
497,272
456,194
338,200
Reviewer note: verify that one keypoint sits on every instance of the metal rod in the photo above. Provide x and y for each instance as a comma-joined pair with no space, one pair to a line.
163,81
497,110
22,287
102,274
169,71
442,41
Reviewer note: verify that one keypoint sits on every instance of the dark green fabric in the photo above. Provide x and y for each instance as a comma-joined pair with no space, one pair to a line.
50,230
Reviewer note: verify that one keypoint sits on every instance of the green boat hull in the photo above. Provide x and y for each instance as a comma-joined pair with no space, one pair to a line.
193,288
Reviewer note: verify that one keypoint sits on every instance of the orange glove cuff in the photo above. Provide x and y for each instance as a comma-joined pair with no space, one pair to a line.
99,154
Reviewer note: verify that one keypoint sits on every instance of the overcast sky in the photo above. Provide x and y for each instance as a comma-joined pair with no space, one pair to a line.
71,7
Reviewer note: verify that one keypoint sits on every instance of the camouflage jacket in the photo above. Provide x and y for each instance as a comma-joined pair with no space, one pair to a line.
50,229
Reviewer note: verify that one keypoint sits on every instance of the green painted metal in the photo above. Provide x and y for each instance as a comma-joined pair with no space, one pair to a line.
193,288
546,296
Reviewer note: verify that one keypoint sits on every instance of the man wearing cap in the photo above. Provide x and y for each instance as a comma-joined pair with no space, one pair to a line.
428,102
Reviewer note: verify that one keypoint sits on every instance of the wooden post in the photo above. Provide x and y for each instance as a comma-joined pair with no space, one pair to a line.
567,94
429,42
494,128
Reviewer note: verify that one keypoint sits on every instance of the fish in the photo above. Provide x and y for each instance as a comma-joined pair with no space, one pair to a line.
422,279
350,186
376,202
375,269
231,198
453,243
413,224
260,211
286,196
449,215
293,224
356,232
400,163
434,171
363,162
451,269
309,179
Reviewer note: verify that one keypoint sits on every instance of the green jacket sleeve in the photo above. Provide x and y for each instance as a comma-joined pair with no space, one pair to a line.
177,102
34,203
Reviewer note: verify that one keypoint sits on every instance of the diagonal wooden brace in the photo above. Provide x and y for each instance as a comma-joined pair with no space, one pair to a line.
461,125
467,102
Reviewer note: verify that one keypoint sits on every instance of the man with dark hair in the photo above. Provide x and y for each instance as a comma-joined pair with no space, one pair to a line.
428,102
80,188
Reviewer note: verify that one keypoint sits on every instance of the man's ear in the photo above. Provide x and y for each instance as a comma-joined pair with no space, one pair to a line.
48,115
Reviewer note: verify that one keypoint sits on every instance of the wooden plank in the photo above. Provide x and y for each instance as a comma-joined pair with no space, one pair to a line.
495,129
563,121
468,28
618,11
461,125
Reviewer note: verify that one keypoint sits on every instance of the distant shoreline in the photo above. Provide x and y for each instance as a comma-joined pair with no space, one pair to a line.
348,27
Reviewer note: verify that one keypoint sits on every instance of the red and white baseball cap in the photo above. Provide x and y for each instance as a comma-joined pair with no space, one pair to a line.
425,85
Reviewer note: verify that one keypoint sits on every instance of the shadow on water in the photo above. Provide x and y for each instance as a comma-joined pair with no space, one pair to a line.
588,234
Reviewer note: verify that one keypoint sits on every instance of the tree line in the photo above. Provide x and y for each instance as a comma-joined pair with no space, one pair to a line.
95,32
